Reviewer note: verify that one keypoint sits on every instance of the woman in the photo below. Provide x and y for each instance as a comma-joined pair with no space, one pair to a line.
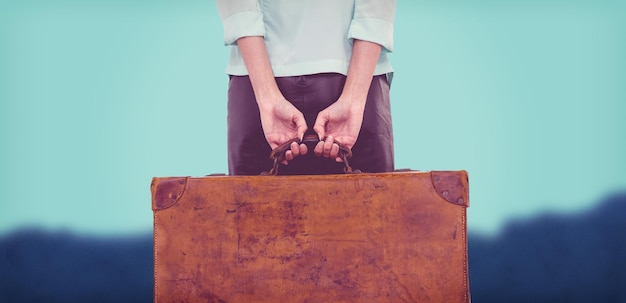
308,65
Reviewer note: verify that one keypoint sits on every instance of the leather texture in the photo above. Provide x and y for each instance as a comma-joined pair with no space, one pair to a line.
384,237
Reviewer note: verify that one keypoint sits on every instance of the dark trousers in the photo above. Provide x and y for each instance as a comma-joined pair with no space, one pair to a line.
248,151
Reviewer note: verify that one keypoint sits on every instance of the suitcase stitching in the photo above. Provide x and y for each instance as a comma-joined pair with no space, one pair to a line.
156,236
465,195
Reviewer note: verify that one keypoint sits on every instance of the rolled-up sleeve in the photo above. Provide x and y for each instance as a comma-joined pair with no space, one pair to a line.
240,18
373,21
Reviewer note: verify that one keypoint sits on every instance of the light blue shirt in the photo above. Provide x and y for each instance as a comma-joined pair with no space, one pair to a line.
306,37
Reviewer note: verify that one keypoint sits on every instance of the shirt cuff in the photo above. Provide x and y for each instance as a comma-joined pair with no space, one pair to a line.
243,24
372,30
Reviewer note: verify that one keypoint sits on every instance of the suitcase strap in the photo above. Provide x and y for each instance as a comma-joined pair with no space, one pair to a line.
278,154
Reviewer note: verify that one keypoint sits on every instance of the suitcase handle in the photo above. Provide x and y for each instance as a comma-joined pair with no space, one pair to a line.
278,154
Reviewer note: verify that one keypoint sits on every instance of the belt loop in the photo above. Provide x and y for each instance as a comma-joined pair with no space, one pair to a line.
301,80
389,78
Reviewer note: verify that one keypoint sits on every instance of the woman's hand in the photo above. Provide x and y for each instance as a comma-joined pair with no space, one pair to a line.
341,121
281,122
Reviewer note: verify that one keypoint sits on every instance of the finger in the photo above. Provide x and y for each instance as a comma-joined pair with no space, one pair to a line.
320,126
295,150
328,145
288,157
334,151
303,149
300,125
319,148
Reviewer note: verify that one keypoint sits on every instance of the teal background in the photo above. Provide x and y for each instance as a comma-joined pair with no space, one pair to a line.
100,96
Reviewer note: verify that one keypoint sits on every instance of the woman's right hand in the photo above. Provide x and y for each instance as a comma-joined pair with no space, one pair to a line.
281,122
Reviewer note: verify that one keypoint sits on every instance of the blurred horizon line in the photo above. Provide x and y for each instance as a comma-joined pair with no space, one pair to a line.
599,205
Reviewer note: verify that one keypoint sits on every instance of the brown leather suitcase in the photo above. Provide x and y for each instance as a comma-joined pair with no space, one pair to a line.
385,237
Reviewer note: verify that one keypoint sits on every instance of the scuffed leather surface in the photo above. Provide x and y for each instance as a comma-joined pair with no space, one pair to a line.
387,237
